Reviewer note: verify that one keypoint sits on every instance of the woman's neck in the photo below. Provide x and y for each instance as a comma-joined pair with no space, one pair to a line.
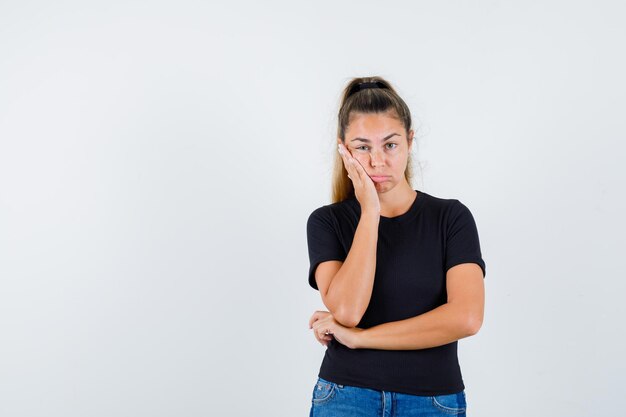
396,201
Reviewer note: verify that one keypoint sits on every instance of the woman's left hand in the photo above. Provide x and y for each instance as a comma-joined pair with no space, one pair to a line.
323,321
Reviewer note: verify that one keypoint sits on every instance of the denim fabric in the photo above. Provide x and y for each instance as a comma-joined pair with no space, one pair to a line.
335,400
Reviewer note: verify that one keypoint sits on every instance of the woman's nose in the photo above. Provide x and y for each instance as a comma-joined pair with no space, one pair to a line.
375,159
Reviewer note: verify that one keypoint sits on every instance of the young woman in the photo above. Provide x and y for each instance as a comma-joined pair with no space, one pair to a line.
400,271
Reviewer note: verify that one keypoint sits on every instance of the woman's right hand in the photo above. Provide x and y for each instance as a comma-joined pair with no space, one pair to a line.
364,187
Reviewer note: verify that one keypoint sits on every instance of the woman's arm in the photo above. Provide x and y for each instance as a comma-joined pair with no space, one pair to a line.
460,317
346,292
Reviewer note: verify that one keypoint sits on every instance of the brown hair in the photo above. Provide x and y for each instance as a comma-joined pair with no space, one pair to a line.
370,100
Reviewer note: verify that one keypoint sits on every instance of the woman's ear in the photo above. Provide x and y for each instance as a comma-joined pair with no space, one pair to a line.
410,139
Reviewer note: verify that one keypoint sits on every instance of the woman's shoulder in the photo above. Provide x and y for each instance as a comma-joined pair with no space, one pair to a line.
439,202
449,208
446,207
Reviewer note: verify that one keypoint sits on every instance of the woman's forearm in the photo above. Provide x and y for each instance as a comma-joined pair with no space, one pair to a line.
442,325
351,288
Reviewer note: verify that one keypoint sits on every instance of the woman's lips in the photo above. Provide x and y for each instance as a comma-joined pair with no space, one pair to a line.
379,178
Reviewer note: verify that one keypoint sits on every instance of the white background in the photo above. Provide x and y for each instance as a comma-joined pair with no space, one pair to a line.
159,160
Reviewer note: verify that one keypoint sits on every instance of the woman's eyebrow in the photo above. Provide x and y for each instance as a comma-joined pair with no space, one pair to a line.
384,139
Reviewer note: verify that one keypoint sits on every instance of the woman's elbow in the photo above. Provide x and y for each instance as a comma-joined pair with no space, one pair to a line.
473,323
347,318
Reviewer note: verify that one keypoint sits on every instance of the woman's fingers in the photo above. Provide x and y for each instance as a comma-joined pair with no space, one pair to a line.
319,324
344,156
318,335
319,314
360,170
321,336
348,162
360,173
324,341
355,170
313,319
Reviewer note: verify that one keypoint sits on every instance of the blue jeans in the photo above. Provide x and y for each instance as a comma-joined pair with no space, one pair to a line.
337,400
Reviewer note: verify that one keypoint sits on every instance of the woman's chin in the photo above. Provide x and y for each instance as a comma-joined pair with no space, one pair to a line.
383,187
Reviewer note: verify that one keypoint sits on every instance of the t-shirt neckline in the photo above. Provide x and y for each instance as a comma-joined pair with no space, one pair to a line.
412,209
414,205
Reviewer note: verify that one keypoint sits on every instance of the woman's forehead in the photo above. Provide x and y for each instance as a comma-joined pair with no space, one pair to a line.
375,124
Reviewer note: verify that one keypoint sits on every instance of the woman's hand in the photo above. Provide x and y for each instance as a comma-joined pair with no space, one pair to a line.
364,187
323,321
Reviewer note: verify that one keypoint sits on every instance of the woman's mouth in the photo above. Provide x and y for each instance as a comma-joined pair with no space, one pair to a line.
379,178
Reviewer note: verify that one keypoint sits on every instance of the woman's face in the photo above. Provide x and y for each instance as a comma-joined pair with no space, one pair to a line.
379,142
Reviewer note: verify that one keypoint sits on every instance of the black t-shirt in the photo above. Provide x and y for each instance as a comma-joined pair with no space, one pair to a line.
414,252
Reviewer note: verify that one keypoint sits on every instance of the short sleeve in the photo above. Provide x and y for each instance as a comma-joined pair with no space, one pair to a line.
462,242
323,241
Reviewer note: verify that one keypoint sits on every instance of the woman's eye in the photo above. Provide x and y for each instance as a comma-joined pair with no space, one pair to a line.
388,145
